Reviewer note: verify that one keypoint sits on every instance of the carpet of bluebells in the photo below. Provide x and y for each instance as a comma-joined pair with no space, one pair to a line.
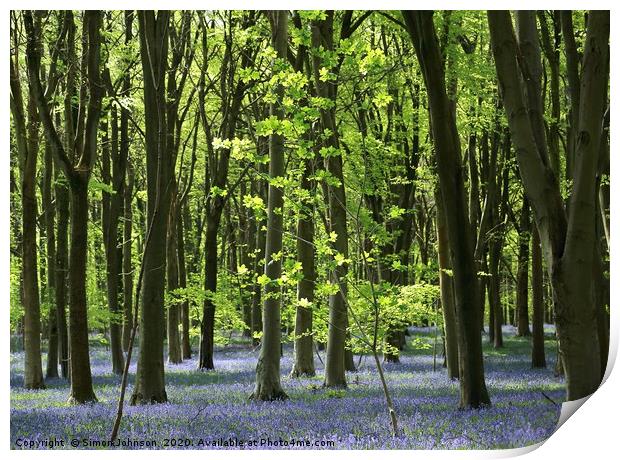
212,410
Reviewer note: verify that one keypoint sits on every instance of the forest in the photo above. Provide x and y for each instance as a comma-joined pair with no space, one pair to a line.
306,229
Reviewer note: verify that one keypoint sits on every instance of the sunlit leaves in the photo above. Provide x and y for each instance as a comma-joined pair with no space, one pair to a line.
373,60
218,191
341,260
304,303
395,212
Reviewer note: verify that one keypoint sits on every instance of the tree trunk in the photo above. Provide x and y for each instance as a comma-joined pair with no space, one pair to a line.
112,206
186,346
567,243
81,380
248,225
447,292
28,146
257,310
174,343
268,386
573,65
205,359
448,155
494,295
62,265
552,53
150,384
127,259
48,209
127,275
523,320
322,36
304,349
538,303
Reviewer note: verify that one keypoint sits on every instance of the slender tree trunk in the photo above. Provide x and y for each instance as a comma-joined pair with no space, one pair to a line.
186,347
322,36
257,313
523,320
49,210
127,208
304,349
486,296
81,380
538,303
150,384
573,65
174,343
447,144
28,147
601,248
127,260
447,292
249,244
112,206
601,304
62,266
205,359
268,386
495,304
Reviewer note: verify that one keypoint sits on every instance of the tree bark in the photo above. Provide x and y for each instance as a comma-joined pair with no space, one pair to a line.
81,380
247,225
62,265
150,384
572,75
28,145
112,206
50,250
127,275
538,303
205,358
567,243
127,257
304,349
552,53
448,155
257,312
78,176
174,343
322,36
523,320
186,347
447,291
268,386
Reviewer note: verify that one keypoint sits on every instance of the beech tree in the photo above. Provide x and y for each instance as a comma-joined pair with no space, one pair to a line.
84,151
150,383
567,240
448,154
304,342
268,366
217,165
27,140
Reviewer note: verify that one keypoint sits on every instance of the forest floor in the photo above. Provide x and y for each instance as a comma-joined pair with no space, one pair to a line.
214,407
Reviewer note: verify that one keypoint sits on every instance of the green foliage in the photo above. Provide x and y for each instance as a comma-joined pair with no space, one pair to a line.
396,307
382,130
